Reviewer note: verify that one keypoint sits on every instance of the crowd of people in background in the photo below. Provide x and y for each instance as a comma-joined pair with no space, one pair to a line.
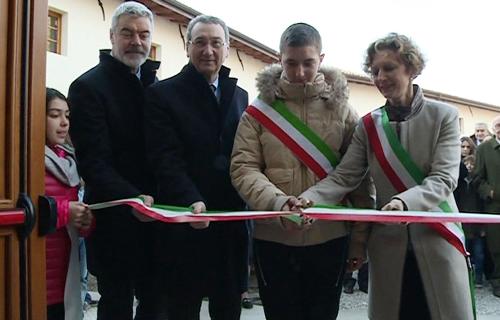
477,192
191,141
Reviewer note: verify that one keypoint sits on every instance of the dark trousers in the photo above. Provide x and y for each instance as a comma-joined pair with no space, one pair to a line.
245,279
204,263
55,311
119,286
221,306
300,283
413,302
493,239
363,278
126,268
476,247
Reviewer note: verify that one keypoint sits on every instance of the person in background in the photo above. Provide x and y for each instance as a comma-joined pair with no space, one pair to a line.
299,266
468,200
467,148
411,147
481,133
190,121
62,183
107,105
487,172
246,301
361,277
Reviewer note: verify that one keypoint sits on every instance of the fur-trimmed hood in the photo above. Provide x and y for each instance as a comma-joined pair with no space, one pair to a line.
270,84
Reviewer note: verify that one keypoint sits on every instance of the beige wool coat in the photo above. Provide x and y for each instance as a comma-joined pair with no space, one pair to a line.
430,134
266,173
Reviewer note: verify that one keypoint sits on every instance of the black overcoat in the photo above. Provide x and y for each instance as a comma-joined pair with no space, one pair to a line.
106,129
190,138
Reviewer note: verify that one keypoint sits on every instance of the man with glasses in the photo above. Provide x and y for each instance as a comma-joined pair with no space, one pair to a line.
190,122
106,103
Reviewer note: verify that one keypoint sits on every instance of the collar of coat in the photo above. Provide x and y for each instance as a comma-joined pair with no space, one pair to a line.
148,68
190,71
416,104
330,84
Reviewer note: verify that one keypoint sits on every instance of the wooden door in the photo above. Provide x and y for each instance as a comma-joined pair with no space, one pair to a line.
22,139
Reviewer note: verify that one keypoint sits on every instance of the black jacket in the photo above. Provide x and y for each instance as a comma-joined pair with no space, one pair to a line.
189,140
107,131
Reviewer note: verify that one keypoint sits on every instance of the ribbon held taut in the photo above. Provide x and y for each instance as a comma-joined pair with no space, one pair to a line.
172,214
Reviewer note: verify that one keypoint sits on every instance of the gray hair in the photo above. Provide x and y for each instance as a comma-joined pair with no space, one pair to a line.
300,35
409,53
131,8
483,125
207,20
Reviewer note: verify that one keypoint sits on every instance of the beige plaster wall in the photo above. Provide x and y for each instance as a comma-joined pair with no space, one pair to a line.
366,98
85,32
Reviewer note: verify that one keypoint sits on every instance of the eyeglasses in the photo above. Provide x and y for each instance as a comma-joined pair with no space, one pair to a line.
202,43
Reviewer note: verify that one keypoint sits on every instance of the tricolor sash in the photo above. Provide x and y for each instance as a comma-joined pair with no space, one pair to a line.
304,143
403,173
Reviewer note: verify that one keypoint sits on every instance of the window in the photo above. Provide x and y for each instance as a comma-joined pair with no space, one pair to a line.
153,53
54,32
461,124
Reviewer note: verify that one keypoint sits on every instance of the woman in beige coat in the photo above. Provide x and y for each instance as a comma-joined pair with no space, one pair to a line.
415,273
299,266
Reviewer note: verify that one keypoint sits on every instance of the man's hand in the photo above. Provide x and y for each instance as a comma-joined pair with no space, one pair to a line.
294,204
290,204
290,225
148,202
199,207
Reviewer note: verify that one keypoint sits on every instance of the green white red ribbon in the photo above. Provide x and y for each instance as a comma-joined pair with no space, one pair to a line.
174,214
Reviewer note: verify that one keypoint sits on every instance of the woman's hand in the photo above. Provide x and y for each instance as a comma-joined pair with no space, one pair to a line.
394,205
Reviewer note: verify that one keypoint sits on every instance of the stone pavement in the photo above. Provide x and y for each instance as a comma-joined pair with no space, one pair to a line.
354,307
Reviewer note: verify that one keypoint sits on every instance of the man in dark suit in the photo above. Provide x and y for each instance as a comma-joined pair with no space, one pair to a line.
107,102
191,121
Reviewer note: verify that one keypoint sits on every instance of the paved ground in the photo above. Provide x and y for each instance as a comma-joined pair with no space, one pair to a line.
354,307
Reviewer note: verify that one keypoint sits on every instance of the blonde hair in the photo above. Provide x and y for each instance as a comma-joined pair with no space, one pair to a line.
409,53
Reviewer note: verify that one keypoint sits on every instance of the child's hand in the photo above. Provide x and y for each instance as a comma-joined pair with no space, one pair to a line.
80,215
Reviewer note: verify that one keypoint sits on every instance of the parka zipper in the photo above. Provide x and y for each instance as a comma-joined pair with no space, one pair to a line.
303,168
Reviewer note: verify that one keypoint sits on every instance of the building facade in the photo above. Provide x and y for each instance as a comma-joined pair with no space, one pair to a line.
79,28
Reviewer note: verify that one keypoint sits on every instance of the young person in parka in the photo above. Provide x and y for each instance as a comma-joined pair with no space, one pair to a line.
300,266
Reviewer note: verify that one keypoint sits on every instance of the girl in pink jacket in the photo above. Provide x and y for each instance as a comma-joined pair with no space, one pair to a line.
73,217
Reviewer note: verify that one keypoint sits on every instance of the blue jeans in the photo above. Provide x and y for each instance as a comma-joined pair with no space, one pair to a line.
476,247
84,274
